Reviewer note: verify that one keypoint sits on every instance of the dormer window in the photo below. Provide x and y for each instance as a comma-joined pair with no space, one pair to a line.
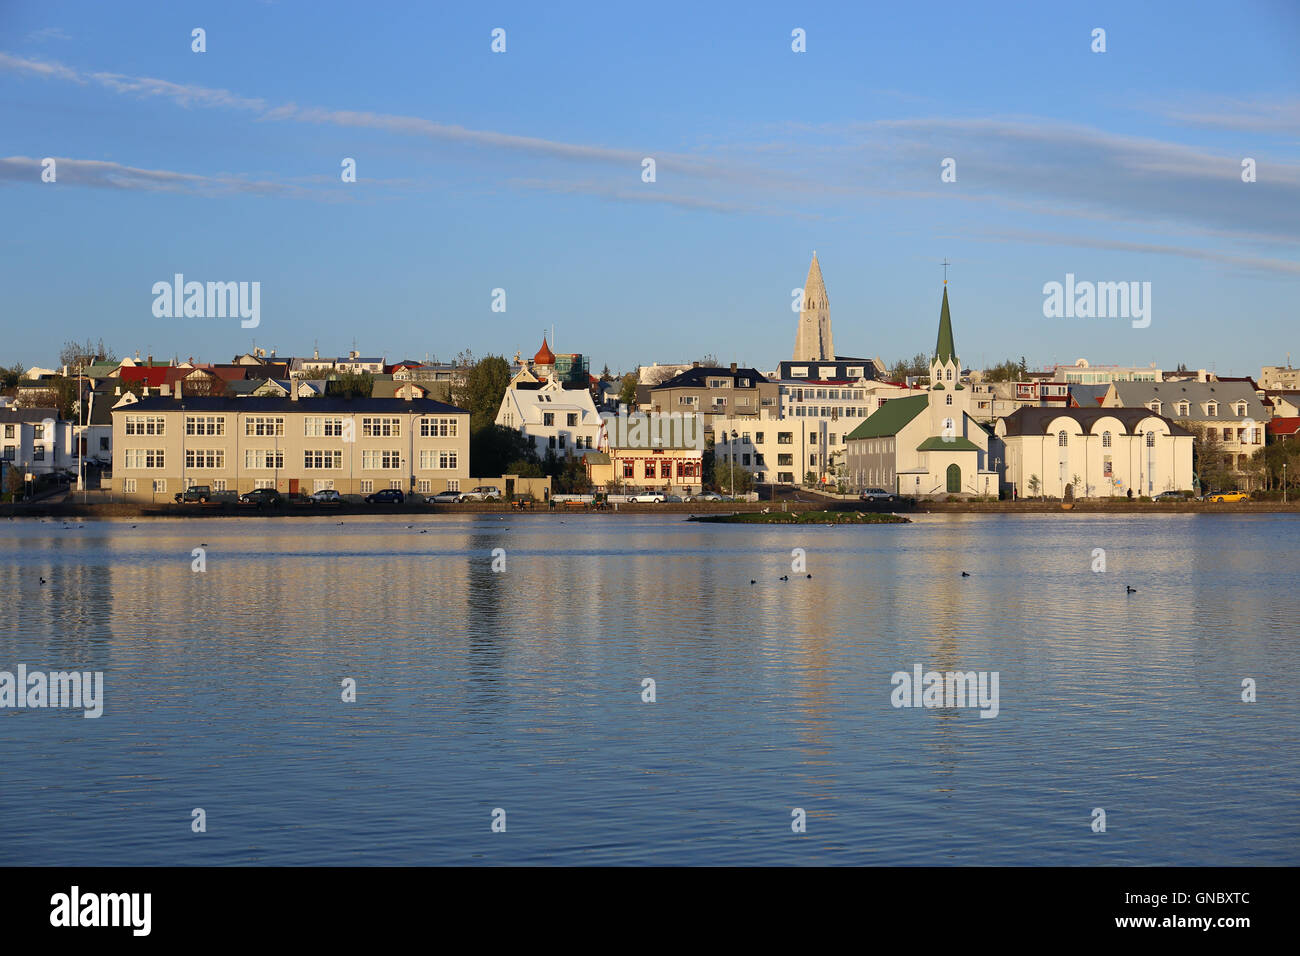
1212,408
1183,409
1155,406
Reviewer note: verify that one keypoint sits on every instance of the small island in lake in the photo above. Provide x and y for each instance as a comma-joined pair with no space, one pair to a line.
804,517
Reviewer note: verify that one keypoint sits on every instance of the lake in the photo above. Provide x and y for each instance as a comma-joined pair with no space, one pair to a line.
521,690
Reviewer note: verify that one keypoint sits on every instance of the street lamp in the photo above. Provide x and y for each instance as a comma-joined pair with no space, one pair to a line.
731,453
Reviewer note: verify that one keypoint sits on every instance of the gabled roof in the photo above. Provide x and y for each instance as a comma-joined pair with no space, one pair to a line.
697,377
891,417
1284,426
1036,421
28,414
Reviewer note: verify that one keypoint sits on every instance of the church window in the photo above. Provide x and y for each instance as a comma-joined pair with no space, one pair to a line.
947,399
1151,439
1105,439
1062,439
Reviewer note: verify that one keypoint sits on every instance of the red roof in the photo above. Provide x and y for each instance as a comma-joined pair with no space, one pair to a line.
544,355
151,375
1284,426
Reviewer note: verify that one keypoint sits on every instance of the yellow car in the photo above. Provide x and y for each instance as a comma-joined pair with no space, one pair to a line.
1229,496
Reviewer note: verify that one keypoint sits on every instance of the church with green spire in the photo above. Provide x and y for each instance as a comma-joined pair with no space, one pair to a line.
927,445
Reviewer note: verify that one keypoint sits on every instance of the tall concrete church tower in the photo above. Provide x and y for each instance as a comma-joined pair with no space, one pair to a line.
812,342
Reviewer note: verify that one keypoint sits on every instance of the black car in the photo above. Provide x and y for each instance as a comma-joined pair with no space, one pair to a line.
389,496
262,497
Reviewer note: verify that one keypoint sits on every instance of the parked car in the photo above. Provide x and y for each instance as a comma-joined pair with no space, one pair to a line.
482,493
326,496
705,496
1225,496
1171,496
388,496
201,493
875,494
262,497
648,497
446,497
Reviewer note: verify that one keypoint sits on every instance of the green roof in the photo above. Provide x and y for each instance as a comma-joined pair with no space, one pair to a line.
944,350
891,417
952,443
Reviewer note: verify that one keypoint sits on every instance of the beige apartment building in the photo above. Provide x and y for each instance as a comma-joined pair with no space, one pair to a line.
165,444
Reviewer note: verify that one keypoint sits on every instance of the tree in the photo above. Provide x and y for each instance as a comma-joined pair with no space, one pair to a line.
709,361
494,450
351,385
9,377
627,394
78,355
524,468
1207,458
606,375
1034,485
1008,371
902,369
572,478
482,390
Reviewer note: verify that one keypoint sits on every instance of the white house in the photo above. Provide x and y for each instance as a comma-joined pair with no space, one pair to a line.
36,440
1100,452
550,415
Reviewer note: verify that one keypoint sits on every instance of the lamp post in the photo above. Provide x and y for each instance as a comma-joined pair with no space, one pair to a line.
1283,482
731,454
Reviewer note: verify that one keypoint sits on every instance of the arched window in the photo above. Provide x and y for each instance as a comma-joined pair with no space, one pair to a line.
1105,439
1062,439
947,399
949,426
1151,439
949,375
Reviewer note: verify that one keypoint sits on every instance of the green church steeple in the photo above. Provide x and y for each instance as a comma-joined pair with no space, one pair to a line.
944,350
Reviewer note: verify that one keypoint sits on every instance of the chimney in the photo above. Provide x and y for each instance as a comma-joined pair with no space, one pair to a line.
163,389
695,365
177,393
117,390
151,360
144,391
354,354
293,392
406,393
733,367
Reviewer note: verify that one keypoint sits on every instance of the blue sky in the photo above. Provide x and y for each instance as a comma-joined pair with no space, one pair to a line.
522,171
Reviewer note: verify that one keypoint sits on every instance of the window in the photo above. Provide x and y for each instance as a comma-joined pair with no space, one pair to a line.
395,484
785,438
367,486
443,459
205,424
385,458
572,418
263,482
316,427
949,376
424,486
812,439
1155,406
143,425
263,425
812,459
437,428
128,485
381,427
103,443
1062,439
9,431
744,459
160,486
787,460
205,458
143,458
758,438
321,484
259,458
1212,408
322,458
947,399
1105,439
1183,409
38,453
453,484
548,419
9,452
1151,439
218,484
627,469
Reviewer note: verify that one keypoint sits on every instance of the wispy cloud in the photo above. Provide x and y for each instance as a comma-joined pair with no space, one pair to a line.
105,175
47,33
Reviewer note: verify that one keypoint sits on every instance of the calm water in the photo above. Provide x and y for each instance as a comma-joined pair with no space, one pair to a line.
522,690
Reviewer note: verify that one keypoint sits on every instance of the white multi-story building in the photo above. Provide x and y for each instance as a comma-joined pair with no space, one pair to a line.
36,440
550,415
